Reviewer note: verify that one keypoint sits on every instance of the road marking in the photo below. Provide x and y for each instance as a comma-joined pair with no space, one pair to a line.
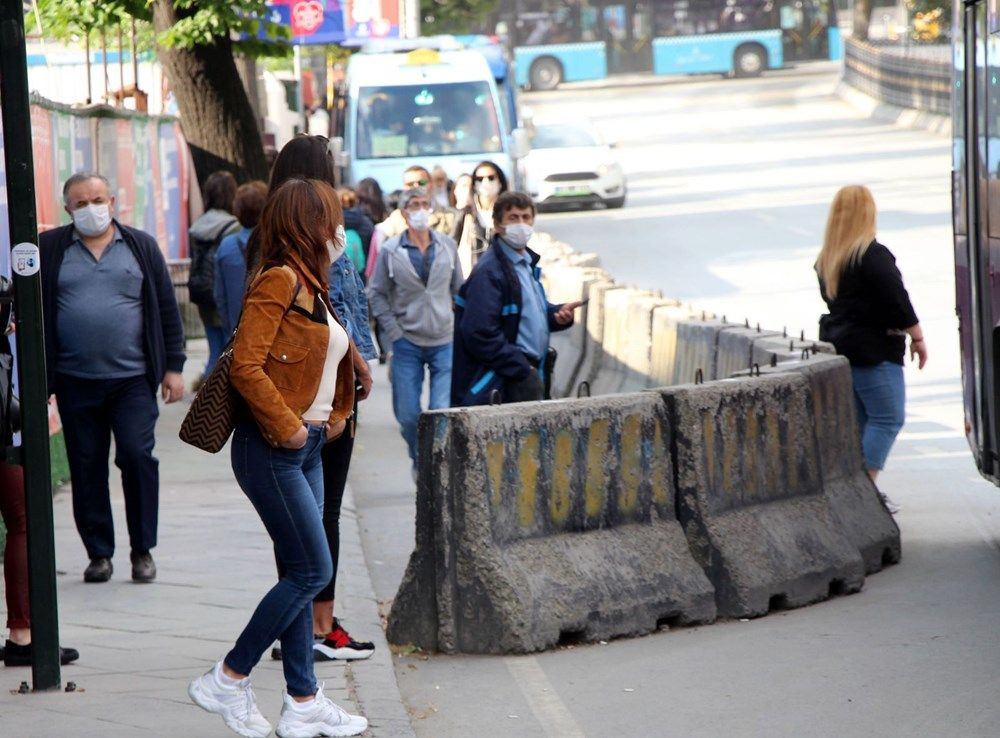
933,455
549,710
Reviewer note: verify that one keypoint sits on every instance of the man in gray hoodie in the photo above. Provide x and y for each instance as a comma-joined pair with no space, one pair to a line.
411,291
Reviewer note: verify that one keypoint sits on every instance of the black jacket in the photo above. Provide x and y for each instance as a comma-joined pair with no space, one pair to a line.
487,318
163,330
872,308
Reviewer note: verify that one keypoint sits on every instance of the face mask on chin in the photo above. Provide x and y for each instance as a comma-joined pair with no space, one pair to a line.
92,220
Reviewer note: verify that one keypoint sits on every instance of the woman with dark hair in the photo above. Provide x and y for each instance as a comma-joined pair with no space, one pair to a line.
372,199
206,233
474,224
308,156
292,366
231,258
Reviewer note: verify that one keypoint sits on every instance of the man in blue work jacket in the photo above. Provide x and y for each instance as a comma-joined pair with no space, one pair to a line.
502,319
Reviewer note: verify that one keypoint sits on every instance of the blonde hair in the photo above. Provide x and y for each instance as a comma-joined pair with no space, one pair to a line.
850,229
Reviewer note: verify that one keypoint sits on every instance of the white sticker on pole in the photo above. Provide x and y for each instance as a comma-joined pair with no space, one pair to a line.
25,260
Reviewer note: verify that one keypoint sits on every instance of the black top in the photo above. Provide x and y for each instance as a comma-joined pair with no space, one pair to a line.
162,327
872,308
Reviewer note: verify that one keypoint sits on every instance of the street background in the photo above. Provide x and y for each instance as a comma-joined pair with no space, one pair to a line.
729,183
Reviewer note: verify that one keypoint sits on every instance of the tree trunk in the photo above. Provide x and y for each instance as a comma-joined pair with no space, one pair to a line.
862,18
216,116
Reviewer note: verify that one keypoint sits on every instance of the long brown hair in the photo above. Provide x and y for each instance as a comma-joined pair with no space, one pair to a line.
300,216
850,230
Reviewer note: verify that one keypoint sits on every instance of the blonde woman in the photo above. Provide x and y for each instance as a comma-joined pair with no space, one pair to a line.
870,317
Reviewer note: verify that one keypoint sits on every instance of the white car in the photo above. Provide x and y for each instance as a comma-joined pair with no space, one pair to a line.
569,163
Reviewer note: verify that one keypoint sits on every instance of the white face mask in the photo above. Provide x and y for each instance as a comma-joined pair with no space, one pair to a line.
92,220
420,220
518,234
488,188
336,248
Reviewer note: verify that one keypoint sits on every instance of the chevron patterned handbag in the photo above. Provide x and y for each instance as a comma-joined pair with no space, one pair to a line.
210,419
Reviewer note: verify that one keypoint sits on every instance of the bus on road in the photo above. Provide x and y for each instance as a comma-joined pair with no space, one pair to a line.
429,107
976,223
556,41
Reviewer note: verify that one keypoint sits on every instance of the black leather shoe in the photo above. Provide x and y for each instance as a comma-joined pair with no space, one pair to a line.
99,570
143,568
16,655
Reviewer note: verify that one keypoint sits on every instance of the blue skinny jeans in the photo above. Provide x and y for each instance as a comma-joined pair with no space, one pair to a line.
880,398
286,489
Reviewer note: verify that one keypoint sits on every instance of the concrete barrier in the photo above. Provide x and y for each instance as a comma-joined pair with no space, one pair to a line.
734,350
542,522
593,355
697,342
775,350
612,372
665,347
750,495
567,284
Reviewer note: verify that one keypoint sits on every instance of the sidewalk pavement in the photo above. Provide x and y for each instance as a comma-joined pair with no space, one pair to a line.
140,645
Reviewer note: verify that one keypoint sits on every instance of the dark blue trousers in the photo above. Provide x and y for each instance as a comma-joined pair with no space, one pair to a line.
92,410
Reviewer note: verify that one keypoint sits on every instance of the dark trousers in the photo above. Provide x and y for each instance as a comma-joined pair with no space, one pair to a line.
15,552
91,411
336,457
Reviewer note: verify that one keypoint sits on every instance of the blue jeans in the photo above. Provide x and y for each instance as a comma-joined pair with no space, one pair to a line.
408,361
93,410
217,337
880,397
286,488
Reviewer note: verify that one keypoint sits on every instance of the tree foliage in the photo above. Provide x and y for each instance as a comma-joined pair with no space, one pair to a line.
454,16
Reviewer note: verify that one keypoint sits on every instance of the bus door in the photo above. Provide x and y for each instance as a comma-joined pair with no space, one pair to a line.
804,25
628,35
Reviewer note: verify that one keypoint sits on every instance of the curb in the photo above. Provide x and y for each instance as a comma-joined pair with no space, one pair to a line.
918,120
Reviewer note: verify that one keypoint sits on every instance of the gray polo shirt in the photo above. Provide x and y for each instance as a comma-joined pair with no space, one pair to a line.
99,319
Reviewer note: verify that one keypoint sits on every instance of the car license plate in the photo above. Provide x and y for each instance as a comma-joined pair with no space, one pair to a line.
572,191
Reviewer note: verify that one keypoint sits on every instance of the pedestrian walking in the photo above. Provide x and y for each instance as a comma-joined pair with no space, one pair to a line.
870,317
17,650
309,157
206,234
473,229
503,320
113,335
292,365
442,215
416,278
231,258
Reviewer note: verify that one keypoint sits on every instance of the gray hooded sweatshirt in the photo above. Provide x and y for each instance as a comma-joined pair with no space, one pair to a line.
403,306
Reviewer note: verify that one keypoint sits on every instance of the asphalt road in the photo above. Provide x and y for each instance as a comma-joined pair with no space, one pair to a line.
729,183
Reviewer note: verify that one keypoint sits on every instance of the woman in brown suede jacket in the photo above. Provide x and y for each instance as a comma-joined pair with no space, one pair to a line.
293,365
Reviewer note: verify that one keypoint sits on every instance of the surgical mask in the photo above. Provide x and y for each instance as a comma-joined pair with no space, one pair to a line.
92,220
420,220
518,234
337,246
488,188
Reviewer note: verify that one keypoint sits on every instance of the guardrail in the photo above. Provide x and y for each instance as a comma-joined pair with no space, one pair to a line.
918,77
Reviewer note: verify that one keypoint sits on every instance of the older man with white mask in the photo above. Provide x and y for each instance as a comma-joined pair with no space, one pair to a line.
416,278
113,336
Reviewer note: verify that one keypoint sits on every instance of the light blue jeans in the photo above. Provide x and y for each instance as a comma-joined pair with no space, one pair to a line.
408,362
880,397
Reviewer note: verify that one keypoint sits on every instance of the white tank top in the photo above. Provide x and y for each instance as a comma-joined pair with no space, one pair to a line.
322,404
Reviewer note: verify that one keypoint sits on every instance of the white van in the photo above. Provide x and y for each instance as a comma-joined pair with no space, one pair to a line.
426,107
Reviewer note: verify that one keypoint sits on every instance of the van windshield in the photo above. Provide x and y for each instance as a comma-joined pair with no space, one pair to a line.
434,119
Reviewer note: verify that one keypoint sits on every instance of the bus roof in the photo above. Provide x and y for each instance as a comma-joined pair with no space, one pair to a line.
421,66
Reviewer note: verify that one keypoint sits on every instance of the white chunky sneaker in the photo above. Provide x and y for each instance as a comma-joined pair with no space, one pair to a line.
236,704
319,717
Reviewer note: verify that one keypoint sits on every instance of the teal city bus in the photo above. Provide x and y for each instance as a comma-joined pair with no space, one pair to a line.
556,41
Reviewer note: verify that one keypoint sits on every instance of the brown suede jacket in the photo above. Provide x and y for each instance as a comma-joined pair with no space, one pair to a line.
279,353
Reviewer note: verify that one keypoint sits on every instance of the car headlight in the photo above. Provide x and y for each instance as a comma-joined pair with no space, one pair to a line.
605,170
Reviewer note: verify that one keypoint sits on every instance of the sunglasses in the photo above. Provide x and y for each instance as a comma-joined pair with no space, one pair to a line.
415,183
488,178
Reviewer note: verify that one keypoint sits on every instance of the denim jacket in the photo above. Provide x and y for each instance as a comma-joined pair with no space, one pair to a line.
347,295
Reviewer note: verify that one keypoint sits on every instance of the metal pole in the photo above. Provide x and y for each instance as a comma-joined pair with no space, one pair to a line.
86,47
120,102
135,63
299,96
30,347
104,62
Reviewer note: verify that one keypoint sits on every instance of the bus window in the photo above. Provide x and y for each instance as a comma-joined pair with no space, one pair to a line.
434,119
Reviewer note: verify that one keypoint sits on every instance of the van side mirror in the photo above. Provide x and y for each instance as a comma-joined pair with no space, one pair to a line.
520,143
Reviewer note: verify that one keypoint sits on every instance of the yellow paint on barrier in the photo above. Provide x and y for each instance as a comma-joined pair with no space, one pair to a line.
658,464
631,454
527,492
751,449
772,452
708,438
730,448
494,467
562,475
597,450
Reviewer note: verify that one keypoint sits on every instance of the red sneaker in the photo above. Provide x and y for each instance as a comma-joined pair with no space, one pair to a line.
338,645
